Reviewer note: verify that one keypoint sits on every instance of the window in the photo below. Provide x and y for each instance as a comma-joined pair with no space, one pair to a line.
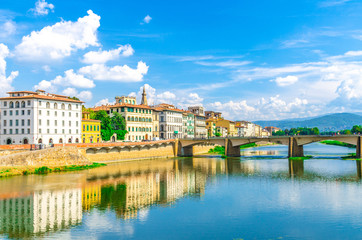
63,114
63,106
48,105
22,122
28,122
11,105
56,131
56,113
70,123
76,114
76,131
63,131
22,131
56,122
76,123
87,128
76,106
11,131
5,113
48,113
17,104
4,123
70,131
39,112
70,114
48,131
28,130
39,103
16,131
69,107
39,130
23,104
39,122
4,131
63,123
5,104
28,102
17,112
22,112
98,128
28,112
11,112
55,106
48,122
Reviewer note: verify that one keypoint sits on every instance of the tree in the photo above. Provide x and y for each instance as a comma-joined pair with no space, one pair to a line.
74,98
106,125
119,125
356,129
218,134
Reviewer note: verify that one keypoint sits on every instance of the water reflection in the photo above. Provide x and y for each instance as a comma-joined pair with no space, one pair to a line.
129,189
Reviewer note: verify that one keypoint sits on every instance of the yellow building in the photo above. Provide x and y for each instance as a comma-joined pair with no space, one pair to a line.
211,127
229,125
91,129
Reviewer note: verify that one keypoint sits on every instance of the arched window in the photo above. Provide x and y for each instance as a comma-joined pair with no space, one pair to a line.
23,104
76,140
55,106
48,105
128,119
50,140
69,107
40,140
17,104
132,119
140,129
143,129
61,140
136,119
133,129
69,140
11,105
87,127
126,101
63,106
83,140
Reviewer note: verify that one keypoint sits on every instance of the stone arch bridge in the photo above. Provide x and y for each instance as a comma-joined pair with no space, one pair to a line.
295,143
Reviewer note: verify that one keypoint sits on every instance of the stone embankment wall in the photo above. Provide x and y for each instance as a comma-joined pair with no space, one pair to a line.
163,151
200,149
51,157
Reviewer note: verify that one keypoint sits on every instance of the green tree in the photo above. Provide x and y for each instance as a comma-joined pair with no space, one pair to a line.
356,129
119,125
106,125
218,134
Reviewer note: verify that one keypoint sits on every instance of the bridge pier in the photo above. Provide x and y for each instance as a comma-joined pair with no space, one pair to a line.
184,151
230,150
359,147
294,150
296,168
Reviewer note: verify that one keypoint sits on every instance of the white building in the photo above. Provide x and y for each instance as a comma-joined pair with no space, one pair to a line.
170,121
38,117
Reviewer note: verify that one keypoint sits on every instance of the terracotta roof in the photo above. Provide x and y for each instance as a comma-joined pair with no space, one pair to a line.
22,92
129,105
100,108
36,96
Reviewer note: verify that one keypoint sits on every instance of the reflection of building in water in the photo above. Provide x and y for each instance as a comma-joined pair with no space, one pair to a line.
90,196
40,212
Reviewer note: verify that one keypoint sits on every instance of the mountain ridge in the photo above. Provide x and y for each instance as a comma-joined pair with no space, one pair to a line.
328,122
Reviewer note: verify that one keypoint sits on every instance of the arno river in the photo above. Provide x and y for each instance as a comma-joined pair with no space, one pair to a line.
261,195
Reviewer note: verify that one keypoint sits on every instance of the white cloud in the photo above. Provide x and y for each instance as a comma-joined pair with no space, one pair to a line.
70,79
117,73
46,68
73,79
42,8
5,82
332,3
166,97
104,101
147,19
100,56
271,108
83,95
59,40
7,28
286,81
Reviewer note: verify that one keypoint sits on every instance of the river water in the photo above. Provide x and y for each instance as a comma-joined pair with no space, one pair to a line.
261,195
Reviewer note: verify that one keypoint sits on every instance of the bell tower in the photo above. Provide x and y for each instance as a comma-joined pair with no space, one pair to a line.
144,97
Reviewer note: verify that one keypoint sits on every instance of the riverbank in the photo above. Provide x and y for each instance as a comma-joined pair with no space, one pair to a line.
338,143
27,170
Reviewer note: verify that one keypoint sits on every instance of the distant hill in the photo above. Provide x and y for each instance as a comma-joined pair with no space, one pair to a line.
331,122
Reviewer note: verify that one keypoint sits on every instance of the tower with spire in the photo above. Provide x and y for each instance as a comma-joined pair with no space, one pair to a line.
144,97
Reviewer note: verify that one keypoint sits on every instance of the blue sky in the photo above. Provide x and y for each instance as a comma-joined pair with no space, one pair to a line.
249,59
